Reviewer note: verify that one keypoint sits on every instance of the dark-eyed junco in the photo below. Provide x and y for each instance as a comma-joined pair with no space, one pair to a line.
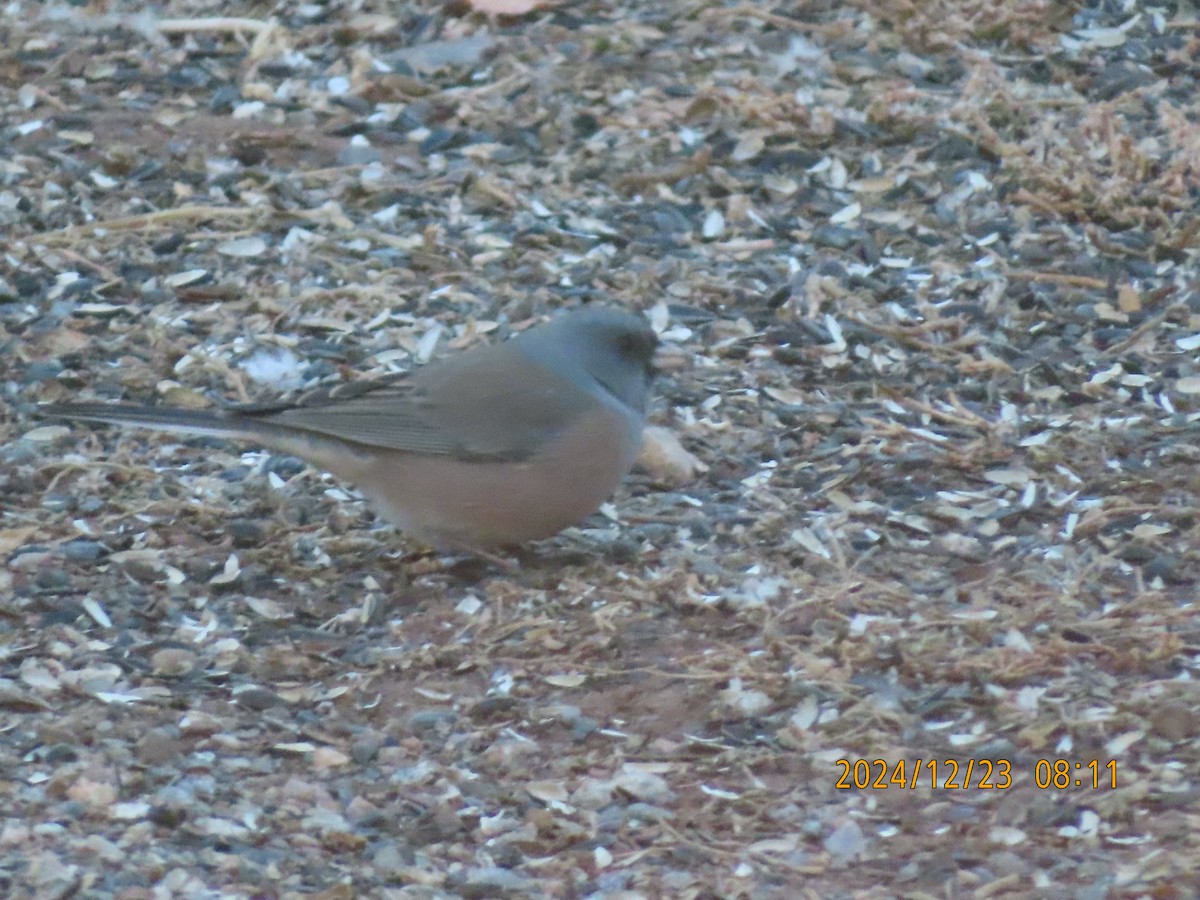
500,444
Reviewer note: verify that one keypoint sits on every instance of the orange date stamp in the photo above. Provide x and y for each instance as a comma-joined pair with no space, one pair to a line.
978,774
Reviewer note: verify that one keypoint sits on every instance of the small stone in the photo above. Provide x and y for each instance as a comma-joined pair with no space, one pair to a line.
846,842
257,698
173,662
159,746
246,533
224,98
432,720
52,580
83,550
366,749
478,884
43,370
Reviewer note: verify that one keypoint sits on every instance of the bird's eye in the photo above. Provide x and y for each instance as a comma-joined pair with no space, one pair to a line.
637,344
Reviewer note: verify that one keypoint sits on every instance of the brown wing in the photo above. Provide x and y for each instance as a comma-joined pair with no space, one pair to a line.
494,402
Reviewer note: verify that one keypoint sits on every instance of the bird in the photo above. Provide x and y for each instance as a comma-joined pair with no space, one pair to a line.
496,446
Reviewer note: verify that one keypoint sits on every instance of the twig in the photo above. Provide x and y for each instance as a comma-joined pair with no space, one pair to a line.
1134,336
162,217
110,276
965,418
1085,281
216,23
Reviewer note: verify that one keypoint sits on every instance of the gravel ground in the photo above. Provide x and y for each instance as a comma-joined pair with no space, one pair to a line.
927,276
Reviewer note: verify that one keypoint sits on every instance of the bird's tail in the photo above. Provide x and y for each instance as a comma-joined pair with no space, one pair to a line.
163,418
251,426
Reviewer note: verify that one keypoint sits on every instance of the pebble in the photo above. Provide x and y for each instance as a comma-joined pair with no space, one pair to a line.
431,720
224,98
43,370
83,550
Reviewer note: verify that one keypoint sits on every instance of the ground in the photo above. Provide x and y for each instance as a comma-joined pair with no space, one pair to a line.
926,276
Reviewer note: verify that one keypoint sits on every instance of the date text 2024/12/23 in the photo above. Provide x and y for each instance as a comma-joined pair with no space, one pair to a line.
981,774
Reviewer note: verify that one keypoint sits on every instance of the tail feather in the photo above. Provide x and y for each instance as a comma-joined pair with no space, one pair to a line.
163,418
254,428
